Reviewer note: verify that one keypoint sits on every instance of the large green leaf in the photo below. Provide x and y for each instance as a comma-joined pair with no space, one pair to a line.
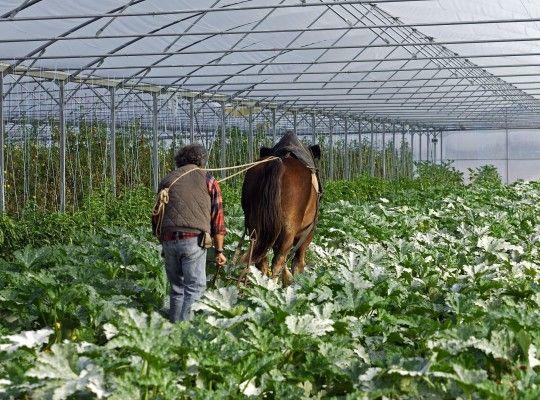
62,373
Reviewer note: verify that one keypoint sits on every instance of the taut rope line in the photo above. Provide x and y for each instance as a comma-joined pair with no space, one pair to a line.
163,195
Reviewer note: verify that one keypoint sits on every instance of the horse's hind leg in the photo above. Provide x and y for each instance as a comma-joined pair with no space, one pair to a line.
282,248
263,265
299,260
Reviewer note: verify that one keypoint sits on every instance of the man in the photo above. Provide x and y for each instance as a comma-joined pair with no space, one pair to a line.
195,207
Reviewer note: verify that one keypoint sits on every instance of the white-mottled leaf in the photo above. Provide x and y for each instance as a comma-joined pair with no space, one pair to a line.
4,383
470,376
62,373
228,322
361,352
147,333
249,389
405,372
533,353
309,325
29,339
369,374
223,298
110,331
257,278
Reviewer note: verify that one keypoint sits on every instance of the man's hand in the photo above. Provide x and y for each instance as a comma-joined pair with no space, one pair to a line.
218,244
221,260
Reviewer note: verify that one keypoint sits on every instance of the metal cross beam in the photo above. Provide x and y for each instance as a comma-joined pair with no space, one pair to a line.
199,10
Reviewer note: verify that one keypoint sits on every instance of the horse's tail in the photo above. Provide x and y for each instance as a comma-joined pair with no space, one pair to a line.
262,206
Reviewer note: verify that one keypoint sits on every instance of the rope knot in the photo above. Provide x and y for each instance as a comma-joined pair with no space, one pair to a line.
164,196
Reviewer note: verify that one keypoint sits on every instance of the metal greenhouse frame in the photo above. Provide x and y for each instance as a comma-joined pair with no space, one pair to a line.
342,69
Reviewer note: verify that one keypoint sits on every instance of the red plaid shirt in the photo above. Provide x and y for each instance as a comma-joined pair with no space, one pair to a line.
217,216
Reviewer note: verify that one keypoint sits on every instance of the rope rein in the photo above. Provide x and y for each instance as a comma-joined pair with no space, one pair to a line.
163,195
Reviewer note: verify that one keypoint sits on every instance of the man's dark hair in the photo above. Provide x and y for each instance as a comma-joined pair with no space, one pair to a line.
191,154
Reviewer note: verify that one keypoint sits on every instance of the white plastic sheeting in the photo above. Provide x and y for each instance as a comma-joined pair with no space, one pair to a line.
525,50
520,160
281,55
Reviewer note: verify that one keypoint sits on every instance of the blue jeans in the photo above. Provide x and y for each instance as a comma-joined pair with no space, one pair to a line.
185,263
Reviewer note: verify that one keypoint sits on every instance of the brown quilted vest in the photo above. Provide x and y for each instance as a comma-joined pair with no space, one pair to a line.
189,204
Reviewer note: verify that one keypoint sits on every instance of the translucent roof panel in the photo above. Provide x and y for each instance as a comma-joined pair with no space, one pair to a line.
451,64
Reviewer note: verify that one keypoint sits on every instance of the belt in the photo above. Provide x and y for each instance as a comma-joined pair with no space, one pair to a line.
178,235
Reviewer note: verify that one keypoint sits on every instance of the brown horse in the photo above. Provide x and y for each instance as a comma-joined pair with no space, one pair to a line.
280,203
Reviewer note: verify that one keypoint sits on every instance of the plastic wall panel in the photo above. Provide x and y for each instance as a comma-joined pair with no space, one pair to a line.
472,149
524,144
475,145
464,165
528,170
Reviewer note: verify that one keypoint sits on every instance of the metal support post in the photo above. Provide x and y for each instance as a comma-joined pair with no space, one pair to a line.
428,146
112,132
174,141
412,152
384,151
155,144
419,145
62,145
331,147
372,150
394,158
313,130
441,146
347,172
250,135
360,147
295,122
192,120
223,159
434,141
274,133
2,145
403,154
507,158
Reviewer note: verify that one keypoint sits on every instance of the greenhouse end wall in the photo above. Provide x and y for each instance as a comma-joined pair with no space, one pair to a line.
515,152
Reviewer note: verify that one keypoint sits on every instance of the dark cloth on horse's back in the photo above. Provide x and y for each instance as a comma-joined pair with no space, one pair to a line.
290,144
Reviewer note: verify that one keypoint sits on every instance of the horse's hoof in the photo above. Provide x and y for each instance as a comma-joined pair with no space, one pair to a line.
287,278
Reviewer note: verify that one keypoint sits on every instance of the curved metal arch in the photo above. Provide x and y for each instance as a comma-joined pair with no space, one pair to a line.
166,57
41,49
123,46
220,84
16,10
147,69
49,43
505,88
197,68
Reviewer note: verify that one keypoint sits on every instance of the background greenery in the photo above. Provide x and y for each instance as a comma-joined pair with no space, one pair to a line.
33,166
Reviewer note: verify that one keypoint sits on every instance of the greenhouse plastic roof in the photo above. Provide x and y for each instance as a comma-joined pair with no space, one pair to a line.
449,64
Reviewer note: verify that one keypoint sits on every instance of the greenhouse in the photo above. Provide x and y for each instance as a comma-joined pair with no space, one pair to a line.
423,268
